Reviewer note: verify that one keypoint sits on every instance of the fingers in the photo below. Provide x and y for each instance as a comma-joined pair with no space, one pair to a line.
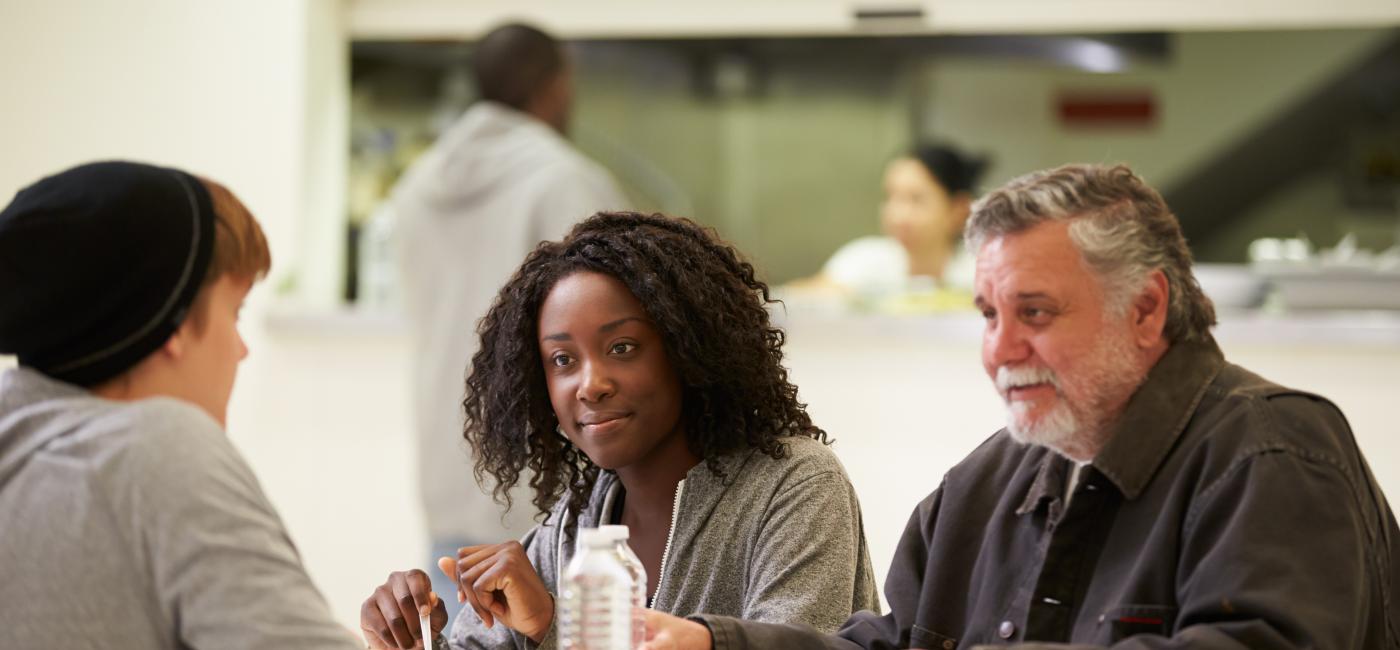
372,640
382,615
472,562
425,621
650,625
507,585
488,573
666,632
472,598
662,641
448,566
411,591
421,588
389,618
486,580
373,626
438,619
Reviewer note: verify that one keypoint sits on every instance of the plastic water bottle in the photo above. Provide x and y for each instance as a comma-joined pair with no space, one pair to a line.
595,608
620,535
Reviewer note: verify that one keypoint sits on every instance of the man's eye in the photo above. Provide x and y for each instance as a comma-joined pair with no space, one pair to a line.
1036,315
623,348
989,314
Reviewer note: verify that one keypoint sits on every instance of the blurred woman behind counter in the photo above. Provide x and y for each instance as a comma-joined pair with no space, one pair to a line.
928,196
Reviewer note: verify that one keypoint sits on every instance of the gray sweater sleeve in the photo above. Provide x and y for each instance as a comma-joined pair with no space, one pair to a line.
220,561
793,580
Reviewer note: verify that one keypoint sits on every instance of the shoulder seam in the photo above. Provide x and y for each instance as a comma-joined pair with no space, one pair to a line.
1247,456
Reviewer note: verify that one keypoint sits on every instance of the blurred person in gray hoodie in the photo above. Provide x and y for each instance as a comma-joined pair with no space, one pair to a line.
129,519
498,182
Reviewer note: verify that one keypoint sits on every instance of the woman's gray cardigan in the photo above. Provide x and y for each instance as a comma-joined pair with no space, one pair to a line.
776,540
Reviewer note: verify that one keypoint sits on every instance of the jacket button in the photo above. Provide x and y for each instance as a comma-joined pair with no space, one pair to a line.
1006,629
949,644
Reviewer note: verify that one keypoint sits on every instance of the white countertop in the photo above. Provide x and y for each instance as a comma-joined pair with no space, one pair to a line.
1310,328
1254,327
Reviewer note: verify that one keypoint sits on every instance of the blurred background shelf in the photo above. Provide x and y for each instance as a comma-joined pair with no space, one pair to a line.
448,19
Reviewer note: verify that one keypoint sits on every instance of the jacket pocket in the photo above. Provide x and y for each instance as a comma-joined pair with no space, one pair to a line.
922,637
1129,620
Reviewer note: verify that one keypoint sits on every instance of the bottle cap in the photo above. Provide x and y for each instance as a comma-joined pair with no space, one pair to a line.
595,538
615,532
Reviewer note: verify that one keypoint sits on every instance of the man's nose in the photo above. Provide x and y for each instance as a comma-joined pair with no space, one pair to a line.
1005,343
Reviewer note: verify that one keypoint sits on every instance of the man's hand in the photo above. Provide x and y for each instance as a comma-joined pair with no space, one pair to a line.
502,587
666,632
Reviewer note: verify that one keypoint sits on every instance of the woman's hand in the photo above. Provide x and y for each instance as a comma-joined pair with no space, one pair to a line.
502,586
389,618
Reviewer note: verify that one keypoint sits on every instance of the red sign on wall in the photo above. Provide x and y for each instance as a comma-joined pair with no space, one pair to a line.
1106,108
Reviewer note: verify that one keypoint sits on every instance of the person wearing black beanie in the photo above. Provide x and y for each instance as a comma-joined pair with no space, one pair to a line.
130,520
99,266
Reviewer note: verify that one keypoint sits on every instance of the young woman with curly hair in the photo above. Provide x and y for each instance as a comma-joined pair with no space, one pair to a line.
632,373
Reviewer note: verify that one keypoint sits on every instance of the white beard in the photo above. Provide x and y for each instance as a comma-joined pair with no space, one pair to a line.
1076,428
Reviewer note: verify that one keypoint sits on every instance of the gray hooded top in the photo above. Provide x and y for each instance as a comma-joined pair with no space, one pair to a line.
137,525
777,540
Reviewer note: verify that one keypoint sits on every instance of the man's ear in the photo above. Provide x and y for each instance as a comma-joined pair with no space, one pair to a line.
1149,311
174,347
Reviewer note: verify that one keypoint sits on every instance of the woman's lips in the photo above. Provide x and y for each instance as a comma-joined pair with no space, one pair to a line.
604,423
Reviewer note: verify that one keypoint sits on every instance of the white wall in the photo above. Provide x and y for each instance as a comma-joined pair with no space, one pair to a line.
244,92
323,417
208,86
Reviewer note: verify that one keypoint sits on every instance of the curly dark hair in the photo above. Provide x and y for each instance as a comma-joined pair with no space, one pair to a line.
710,309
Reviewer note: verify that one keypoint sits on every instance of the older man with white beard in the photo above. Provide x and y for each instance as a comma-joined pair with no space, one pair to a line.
1145,492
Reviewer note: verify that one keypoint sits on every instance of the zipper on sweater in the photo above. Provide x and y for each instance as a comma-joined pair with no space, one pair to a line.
670,536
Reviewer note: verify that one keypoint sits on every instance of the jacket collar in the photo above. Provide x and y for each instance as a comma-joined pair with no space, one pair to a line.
1151,423
1049,483
1157,414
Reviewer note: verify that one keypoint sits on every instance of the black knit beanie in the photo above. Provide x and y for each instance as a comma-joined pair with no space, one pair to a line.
99,266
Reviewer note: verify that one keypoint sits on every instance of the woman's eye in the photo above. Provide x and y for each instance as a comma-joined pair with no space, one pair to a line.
623,348
560,360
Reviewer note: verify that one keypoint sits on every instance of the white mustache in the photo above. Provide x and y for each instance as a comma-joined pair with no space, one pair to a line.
1008,378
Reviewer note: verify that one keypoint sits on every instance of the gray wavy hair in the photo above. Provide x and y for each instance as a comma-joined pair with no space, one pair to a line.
1121,226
